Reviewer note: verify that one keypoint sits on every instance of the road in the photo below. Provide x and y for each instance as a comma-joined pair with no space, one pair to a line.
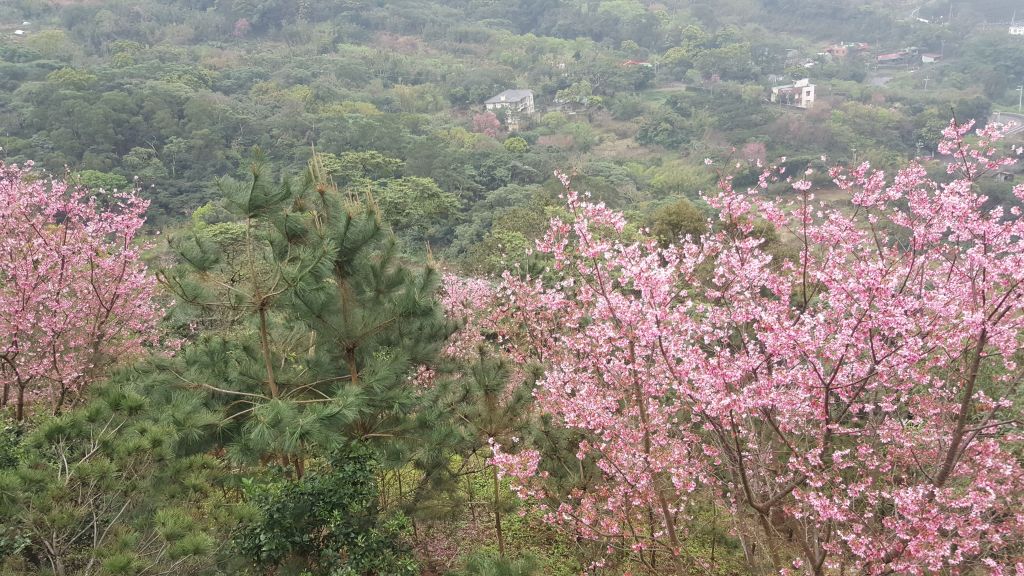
1014,120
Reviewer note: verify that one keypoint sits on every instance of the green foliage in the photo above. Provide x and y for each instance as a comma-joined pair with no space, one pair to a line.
677,220
491,399
12,543
627,107
52,44
145,164
678,179
327,522
503,219
516,145
415,207
71,79
313,322
96,180
669,129
580,94
993,60
101,485
13,539
167,91
315,285
10,443
554,120
352,167
511,235
489,564
493,402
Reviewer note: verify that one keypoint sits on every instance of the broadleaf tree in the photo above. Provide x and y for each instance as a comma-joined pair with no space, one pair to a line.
75,294
852,409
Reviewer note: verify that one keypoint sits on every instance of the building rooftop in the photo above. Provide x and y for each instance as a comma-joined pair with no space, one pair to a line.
510,96
802,83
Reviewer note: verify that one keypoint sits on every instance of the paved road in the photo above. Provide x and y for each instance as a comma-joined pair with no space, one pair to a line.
1014,120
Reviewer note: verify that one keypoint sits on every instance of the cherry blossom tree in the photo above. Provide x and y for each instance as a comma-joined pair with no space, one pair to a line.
242,28
853,410
754,152
75,296
486,123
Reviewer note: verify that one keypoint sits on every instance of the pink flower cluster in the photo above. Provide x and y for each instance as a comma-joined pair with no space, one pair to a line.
852,406
75,295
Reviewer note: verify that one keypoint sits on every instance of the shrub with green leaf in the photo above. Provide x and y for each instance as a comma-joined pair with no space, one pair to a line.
327,523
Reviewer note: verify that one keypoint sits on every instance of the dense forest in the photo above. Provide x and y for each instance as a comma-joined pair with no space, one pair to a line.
511,288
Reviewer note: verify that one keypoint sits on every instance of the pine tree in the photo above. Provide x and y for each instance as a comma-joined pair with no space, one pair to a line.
487,388
105,489
310,320
493,406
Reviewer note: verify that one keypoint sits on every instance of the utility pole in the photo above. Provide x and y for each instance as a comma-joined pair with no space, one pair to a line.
1020,100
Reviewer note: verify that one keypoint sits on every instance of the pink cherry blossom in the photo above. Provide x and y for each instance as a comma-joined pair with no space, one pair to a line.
75,296
852,407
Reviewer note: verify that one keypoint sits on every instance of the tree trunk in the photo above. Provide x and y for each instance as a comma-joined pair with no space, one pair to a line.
769,542
268,361
353,368
20,410
497,512
398,474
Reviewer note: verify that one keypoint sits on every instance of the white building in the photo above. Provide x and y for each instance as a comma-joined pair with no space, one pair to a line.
1017,30
513,100
799,94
